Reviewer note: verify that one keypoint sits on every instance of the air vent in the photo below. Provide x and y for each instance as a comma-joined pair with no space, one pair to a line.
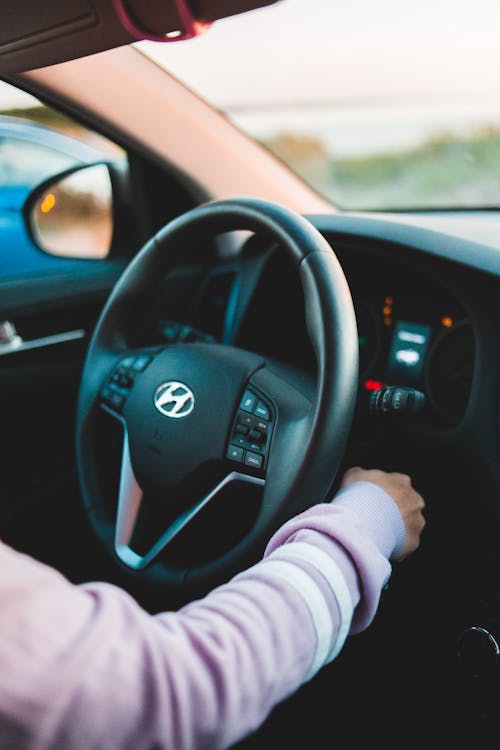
213,306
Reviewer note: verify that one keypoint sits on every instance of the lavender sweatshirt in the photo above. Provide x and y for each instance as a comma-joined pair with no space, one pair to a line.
84,667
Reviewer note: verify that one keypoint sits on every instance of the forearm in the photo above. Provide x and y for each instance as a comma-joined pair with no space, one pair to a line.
202,677
102,672
255,640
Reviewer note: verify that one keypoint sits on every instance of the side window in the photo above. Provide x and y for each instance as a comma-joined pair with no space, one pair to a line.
26,162
36,143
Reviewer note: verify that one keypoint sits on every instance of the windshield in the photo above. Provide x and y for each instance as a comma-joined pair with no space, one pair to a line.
384,105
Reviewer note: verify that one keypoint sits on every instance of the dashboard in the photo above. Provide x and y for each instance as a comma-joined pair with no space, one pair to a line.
427,304
413,332
414,327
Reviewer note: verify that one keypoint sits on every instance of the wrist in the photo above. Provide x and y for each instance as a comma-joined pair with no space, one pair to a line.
378,513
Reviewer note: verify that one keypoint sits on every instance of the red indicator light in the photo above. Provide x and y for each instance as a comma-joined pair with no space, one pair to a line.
373,385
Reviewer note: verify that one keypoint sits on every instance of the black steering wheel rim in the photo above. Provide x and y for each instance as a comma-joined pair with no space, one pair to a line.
318,443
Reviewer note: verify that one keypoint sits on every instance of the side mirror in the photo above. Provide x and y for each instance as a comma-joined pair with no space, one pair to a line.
71,214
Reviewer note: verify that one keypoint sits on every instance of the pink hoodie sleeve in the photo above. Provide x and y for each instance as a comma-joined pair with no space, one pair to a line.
85,666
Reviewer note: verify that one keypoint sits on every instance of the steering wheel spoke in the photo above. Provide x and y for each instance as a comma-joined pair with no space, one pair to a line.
130,496
130,500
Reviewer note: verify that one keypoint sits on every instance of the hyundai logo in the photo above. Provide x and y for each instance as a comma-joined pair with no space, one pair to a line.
174,399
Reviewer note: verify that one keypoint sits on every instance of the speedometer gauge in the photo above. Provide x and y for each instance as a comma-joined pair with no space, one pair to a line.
450,368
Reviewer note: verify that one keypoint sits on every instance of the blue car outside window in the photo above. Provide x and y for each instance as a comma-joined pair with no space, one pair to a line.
29,154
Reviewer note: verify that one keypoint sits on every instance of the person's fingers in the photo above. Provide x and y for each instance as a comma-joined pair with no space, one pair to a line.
403,478
410,502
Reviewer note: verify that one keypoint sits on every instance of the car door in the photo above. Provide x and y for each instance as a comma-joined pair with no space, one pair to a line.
48,307
29,153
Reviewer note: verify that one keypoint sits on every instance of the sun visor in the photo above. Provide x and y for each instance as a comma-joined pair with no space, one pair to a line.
34,33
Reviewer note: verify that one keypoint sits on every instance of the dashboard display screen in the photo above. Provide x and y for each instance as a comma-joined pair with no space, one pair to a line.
407,353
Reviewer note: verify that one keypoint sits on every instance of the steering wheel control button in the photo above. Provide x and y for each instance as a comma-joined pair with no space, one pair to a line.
113,398
246,420
255,460
174,399
262,411
117,389
141,362
255,447
122,378
235,454
239,440
256,436
248,402
127,362
251,431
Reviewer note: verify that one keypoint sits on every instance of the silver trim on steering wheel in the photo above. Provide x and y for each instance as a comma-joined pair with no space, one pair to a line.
130,497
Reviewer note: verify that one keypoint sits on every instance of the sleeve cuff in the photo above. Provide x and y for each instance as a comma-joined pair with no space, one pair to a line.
378,513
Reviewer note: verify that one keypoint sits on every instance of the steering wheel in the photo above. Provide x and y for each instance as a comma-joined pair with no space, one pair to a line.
201,420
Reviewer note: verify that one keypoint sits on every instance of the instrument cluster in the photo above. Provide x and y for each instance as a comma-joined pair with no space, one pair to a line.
417,341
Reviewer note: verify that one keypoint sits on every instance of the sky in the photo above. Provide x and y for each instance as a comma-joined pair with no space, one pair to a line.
350,51
361,75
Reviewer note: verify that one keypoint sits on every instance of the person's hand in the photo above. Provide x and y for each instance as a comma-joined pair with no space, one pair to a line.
409,502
